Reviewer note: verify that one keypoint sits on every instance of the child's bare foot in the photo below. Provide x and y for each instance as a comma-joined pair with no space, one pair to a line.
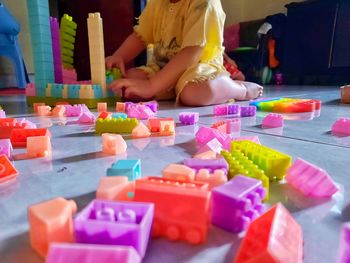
253,90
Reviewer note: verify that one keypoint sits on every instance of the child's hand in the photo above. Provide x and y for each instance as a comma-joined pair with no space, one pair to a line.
134,88
117,61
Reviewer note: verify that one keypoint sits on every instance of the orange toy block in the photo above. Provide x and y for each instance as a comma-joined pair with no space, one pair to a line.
273,237
178,172
36,105
19,136
115,188
49,222
113,144
61,103
58,111
38,146
101,106
105,115
120,107
154,124
345,94
215,179
140,131
205,155
7,125
44,110
7,170
167,128
181,208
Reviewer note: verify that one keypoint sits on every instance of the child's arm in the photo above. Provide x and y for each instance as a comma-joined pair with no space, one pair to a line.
163,79
130,48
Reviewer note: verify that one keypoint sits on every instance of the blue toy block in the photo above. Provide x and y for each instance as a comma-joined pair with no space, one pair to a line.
56,90
73,91
119,115
97,91
129,168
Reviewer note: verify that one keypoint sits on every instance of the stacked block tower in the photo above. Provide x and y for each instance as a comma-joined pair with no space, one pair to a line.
56,49
39,24
67,39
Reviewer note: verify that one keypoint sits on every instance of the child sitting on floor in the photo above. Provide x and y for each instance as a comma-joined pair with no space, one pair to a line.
188,56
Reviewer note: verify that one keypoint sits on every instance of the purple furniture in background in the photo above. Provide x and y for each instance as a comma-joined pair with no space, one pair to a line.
115,223
237,203
83,253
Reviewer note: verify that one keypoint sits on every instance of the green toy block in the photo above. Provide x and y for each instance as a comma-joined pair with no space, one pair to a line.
119,125
275,164
240,164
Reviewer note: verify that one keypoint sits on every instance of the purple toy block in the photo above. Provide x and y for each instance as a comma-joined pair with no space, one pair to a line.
115,223
83,253
188,118
153,105
211,164
2,114
233,109
341,127
220,110
248,111
56,50
138,111
233,125
6,147
310,179
87,118
75,110
344,244
273,120
206,134
237,203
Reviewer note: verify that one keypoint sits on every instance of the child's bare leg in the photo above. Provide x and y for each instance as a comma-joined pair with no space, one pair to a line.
218,90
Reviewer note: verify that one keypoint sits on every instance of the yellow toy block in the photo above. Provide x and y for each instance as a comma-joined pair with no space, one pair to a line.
48,90
115,125
86,92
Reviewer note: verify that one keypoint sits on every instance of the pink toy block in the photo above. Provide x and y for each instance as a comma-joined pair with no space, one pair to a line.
248,138
2,113
49,222
205,134
69,76
140,131
74,110
86,253
44,110
115,188
213,145
188,118
101,106
38,146
213,179
220,110
36,105
341,127
310,179
30,90
113,144
6,147
178,172
273,120
344,244
237,203
29,124
87,118
141,112
228,126
120,107
58,111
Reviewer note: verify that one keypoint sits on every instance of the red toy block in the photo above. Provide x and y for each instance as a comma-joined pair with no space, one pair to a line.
274,237
19,136
105,115
7,125
154,124
181,208
36,105
7,170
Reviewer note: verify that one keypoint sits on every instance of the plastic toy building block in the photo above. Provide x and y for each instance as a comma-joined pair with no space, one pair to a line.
188,118
228,126
74,110
2,113
30,89
36,105
213,145
219,177
310,179
220,110
85,253
7,125
141,112
154,124
187,216
129,168
344,244
341,127
69,75
87,118
248,138
275,164
115,223
248,111
178,172
115,125
6,147
49,222
101,106
44,110
113,144
233,109
205,155
67,39
273,120
264,242
211,165
7,170
97,53
120,107
115,188
38,146
153,105
119,115
205,134
240,164
59,111
167,128
19,136
140,131
105,115
345,94
57,58
237,203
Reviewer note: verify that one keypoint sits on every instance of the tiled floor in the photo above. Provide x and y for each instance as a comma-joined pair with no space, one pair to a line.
77,164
